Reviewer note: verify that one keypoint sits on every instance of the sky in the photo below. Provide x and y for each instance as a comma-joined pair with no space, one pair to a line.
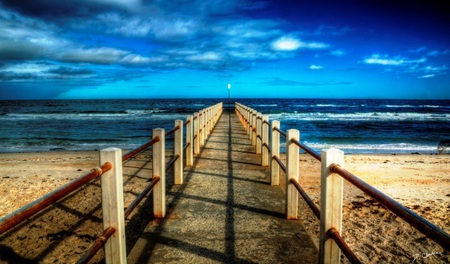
101,49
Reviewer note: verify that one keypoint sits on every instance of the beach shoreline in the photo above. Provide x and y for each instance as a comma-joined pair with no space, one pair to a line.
420,182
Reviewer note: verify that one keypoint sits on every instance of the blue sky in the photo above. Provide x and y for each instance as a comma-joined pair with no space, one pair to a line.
189,49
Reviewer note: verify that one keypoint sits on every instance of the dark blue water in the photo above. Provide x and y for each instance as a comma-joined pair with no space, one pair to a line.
355,126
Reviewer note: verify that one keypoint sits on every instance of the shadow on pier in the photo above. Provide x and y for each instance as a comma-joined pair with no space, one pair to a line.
226,211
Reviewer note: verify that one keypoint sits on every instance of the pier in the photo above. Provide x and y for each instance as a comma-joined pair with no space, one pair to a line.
226,211
223,194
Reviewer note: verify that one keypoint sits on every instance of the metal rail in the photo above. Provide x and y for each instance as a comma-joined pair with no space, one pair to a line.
38,205
334,234
171,162
279,131
282,166
98,244
141,196
307,199
420,223
172,131
308,150
132,153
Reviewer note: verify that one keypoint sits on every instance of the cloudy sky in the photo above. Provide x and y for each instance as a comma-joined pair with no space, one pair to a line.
178,49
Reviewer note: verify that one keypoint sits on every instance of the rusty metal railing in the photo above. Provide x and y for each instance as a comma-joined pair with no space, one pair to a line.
97,245
38,205
421,224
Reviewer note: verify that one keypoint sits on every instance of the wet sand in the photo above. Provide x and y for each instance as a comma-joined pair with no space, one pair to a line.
62,233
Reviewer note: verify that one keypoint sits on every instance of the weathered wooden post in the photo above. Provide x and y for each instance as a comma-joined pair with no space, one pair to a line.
255,127
112,206
189,141
159,170
202,128
330,205
265,140
258,132
178,150
292,156
196,133
275,151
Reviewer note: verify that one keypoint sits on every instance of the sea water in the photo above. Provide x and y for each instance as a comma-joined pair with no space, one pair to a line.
355,126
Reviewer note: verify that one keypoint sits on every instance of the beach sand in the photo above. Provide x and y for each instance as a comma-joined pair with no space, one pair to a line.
61,233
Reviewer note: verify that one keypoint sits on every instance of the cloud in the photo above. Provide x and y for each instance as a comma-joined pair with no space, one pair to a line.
387,60
287,43
338,52
315,67
40,71
427,76
283,82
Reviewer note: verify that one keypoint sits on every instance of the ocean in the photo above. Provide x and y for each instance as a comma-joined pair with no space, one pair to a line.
355,126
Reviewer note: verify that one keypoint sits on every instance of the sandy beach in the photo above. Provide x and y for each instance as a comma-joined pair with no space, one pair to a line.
62,233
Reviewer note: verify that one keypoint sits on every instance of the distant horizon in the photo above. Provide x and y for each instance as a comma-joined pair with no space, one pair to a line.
225,99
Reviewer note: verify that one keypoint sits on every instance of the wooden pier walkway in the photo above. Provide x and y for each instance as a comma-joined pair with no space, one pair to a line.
226,211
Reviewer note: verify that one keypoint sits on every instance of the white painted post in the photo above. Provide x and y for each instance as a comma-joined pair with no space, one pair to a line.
159,170
254,129
189,141
178,150
265,140
196,133
292,160
258,132
201,128
330,205
275,151
112,205
249,123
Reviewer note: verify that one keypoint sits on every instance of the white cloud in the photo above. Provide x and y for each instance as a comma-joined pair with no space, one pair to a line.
387,60
338,53
207,56
427,76
315,67
287,43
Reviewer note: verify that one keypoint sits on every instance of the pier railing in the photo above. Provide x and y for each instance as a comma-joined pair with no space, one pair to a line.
331,243
198,128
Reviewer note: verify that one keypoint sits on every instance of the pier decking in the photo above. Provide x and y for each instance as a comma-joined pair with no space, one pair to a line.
225,211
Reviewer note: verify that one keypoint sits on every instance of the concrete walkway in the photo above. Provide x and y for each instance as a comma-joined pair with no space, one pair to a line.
226,211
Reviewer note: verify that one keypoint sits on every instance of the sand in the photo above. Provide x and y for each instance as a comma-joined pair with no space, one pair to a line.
61,233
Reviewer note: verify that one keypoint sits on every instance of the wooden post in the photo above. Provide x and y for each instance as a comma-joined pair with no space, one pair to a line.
189,141
249,123
254,128
330,205
258,132
275,151
178,150
292,156
112,205
202,128
159,164
265,140
196,133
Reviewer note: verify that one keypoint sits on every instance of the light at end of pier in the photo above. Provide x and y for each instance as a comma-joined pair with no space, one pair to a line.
229,86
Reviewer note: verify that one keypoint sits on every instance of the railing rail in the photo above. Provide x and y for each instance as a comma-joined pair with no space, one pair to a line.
198,127
331,187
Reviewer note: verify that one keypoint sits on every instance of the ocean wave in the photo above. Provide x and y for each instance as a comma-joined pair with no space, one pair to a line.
360,116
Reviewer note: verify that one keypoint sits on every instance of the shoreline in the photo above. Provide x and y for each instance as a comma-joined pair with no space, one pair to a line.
420,182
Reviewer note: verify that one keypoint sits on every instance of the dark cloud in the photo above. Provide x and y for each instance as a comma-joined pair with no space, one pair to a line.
66,71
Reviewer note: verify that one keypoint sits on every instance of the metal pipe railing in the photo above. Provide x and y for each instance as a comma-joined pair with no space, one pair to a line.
334,234
38,205
132,153
98,244
172,131
141,196
279,131
308,150
420,223
282,166
172,162
307,199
